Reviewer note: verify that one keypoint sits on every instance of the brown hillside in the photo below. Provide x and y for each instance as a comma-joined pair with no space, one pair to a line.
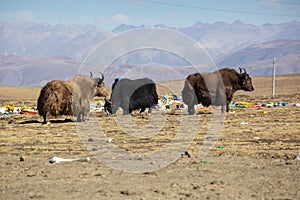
285,85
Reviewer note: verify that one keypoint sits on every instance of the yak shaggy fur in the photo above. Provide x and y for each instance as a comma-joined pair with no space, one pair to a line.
71,97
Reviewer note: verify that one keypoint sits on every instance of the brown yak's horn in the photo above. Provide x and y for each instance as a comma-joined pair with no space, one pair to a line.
244,70
102,77
91,75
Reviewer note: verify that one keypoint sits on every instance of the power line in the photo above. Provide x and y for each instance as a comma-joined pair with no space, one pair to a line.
216,9
281,2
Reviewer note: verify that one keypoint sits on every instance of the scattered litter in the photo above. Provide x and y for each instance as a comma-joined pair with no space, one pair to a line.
22,158
270,104
97,106
265,112
59,160
245,103
221,147
283,104
29,112
205,162
110,140
170,102
204,110
12,109
167,102
241,104
298,157
186,153
244,123
261,105
278,104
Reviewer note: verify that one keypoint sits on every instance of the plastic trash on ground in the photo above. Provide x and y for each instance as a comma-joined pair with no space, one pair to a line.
59,160
298,157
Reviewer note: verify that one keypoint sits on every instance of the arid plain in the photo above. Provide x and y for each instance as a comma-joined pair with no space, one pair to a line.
253,156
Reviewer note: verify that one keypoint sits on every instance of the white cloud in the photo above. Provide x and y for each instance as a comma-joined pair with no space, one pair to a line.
120,18
17,16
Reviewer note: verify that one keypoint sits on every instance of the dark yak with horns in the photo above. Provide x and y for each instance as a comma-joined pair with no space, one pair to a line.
72,97
132,95
215,88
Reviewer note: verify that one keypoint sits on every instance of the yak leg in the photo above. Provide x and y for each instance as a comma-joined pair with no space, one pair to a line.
142,109
126,109
125,112
80,118
222,108
224,105
191,109
227,104
45,119
79,115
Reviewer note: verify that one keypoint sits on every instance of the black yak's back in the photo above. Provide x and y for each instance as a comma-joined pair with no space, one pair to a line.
55,99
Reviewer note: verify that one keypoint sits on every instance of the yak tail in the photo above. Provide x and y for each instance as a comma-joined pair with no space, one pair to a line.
55,102
48,102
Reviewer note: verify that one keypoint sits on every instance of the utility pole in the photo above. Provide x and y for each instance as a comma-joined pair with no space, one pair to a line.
273,80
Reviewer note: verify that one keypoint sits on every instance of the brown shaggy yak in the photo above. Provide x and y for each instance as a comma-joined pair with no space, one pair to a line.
71,97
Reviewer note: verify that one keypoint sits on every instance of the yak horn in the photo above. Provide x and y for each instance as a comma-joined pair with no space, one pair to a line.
102,78
91,75
242,69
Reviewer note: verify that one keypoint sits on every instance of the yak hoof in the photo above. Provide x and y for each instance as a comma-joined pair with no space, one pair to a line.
191,111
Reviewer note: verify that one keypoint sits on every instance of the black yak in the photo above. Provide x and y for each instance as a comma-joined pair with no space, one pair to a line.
132,95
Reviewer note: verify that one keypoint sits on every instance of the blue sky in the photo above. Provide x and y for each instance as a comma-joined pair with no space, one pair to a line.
176,13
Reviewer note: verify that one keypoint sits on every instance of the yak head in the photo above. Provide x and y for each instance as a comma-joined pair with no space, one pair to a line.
111,105
100,90
245,80
107,106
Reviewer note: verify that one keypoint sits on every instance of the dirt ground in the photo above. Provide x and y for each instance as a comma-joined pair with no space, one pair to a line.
253,156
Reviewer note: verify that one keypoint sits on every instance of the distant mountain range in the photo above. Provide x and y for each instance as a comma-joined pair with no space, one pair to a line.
32,54
222,38
258,58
